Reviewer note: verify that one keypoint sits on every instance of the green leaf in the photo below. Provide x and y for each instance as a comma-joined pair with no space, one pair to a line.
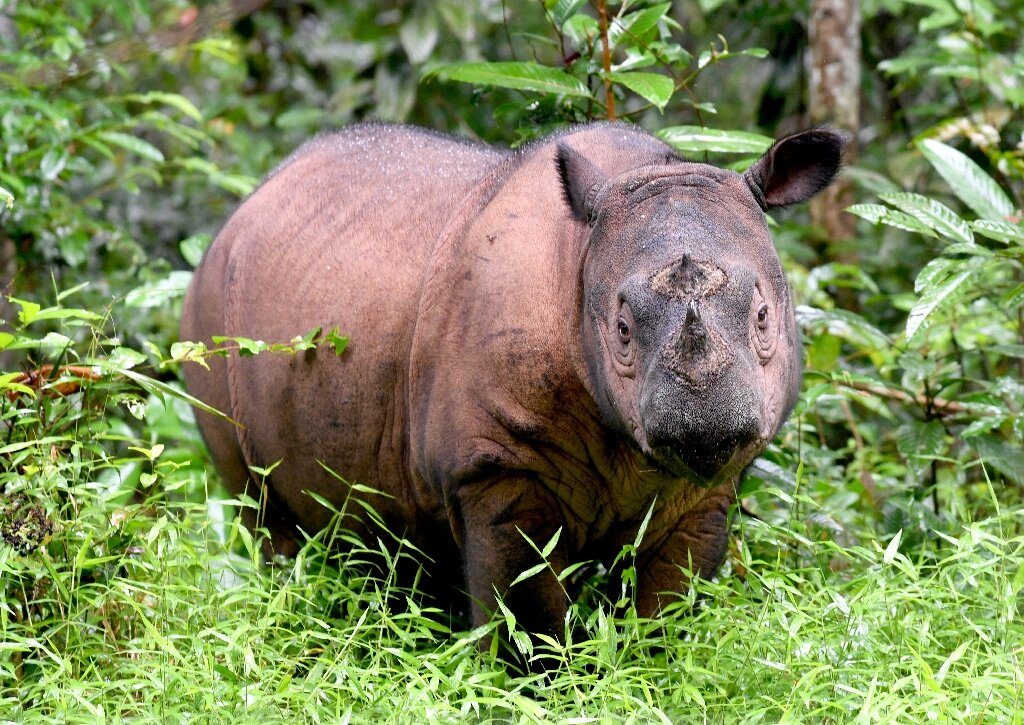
968,181
696,138
168,99
892,548
934,296
565,9
303,118
657,89
1000,231
529,573
53,163
932,214
1005,458
920,442
843,324
161,389
635,58
336,340
193,248
134,144
6,198
154,294
28,311
878,214
418,34
634,28
519,75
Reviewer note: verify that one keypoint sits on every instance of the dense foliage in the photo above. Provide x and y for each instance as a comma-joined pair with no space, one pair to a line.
879,572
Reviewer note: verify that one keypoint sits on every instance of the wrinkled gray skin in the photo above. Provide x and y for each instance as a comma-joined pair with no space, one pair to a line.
549,339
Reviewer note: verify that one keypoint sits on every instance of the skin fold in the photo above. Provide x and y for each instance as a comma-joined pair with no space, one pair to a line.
557,338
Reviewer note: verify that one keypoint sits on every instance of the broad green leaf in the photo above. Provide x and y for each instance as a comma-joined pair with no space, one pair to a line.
1014,298
1006,232
920,442
134,144
1005,458
66,313
28,310
657,89
174,100
968,181
635,58
845,324
696,138
193,248
934,296
878,214
634,27
153,294
519,75
932,214
581,28
565,9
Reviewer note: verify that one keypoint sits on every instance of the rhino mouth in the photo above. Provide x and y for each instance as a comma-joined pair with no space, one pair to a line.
705,469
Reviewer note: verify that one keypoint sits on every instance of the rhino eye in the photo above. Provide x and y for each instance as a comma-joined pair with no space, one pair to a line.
624,332
762,317
761,335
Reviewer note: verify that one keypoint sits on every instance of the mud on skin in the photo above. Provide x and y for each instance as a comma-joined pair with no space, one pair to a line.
550,338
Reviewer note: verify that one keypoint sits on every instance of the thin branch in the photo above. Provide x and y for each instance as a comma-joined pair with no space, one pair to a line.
606,59
938,405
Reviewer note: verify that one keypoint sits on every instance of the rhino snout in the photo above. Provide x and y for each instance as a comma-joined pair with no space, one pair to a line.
699,431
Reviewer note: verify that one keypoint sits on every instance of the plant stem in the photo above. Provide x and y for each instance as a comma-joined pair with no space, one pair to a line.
606,59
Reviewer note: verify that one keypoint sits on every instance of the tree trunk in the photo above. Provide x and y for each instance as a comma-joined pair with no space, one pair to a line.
833,61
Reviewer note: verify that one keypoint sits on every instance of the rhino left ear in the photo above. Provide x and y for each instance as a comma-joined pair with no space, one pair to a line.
581,180
797,167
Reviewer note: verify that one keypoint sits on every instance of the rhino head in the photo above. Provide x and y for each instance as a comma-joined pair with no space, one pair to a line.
688,332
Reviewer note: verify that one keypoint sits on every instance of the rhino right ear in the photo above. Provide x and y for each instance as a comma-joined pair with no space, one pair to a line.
581,180
797,167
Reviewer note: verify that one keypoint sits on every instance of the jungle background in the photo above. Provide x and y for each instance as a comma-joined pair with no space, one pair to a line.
874,572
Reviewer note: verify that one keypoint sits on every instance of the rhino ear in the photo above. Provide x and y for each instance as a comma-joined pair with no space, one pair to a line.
581,181
797,167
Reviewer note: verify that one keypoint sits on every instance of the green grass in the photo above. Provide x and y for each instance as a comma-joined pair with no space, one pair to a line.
163,614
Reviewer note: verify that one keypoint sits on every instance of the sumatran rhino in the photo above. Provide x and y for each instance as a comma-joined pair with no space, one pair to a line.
563,337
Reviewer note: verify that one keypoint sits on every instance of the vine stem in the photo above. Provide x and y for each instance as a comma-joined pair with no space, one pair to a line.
606,59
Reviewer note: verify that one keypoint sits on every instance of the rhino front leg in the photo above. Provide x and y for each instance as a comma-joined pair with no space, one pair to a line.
492,521
697,544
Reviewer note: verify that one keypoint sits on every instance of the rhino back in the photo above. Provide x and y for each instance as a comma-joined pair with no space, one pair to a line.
340,236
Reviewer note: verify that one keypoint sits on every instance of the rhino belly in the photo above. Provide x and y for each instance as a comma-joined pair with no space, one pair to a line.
331,242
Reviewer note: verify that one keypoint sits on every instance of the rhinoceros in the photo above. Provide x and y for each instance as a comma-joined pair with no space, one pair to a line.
573,338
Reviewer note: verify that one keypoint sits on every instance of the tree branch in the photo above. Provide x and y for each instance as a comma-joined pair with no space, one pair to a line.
606,59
